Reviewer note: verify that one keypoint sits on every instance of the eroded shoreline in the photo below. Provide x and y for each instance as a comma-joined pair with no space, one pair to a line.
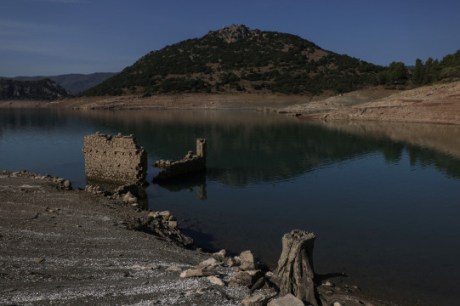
438,103
72,246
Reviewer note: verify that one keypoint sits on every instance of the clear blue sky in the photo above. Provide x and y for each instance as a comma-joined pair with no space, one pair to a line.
47,37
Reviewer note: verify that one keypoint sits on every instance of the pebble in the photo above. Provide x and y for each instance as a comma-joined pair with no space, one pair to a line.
67,184
174,269
39,260
194,273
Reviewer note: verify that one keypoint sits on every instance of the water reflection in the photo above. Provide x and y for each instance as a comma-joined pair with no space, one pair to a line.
194,183
245,148
427,144
32,118
377,195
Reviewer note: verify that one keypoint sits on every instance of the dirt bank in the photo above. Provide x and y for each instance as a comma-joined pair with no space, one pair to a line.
184,101
75,247
438,103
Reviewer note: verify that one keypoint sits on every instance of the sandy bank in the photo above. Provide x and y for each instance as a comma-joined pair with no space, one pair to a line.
438,103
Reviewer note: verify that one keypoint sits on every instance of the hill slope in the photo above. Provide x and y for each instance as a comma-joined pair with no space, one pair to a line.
73,83
238,59
31,90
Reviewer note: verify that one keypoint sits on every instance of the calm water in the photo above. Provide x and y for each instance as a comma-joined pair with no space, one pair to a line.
385,212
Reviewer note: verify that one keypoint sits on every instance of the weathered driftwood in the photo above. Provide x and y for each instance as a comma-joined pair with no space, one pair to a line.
295,273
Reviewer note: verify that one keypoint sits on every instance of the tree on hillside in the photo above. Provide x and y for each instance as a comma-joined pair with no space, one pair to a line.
395,74
418,74
432,70
450,66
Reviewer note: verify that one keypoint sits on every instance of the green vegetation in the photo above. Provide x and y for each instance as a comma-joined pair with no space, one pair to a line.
434,70
423,73
236,59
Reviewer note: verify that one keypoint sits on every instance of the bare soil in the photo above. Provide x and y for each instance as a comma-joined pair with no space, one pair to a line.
438,103
73,248
184,101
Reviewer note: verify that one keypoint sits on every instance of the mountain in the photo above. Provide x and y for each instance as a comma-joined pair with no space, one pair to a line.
73,83
31,90
239,59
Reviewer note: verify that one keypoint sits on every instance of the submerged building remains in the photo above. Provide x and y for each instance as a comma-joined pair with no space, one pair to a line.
191,163
116,159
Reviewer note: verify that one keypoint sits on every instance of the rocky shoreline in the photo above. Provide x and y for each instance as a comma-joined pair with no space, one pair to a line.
65,246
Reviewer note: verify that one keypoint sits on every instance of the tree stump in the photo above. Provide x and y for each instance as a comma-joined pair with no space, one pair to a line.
295,273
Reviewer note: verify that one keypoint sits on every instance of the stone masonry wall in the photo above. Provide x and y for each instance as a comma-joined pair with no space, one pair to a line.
191,163
114,158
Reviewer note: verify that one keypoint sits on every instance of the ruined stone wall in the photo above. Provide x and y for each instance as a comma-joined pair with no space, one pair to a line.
191,163
114,158
201,147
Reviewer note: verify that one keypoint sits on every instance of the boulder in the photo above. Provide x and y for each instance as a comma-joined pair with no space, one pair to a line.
230,262
245,278
220,256
208,263
247,261
165,215
215,280
287,300
257,299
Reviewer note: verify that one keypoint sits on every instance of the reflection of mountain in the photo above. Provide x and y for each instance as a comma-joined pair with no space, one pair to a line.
31,118
246,148
427,144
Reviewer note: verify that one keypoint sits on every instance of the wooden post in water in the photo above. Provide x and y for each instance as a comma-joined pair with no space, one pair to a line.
295,273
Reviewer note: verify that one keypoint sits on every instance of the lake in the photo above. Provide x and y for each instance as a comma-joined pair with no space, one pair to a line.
383,199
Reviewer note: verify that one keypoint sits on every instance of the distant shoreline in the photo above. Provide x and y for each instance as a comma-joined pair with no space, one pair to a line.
439,103
243,101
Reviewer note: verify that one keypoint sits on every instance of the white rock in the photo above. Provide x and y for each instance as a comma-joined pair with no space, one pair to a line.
230,262
256,299
194,273
208,263
174,269
220,255
153,215
215,280
165,214
247,261
287,300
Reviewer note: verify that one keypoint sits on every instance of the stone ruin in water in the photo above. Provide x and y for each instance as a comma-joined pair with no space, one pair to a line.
191,163
115,159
